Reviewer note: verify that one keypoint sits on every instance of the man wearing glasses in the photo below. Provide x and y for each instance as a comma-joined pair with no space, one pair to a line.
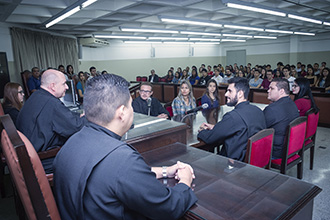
145,104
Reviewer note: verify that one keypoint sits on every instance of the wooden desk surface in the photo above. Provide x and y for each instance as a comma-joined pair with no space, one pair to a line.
228,189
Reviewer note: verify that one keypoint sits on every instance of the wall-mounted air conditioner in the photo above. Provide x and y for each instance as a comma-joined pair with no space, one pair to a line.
93,42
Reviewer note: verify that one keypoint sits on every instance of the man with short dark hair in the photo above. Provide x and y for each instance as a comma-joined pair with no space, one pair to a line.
145,104
153,77
44,119
34,81
97,176
204,78
92,72
280,112
237,125
266,82
288,76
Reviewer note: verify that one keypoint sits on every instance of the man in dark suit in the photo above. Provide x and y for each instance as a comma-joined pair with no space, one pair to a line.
97,176
280,112
153,77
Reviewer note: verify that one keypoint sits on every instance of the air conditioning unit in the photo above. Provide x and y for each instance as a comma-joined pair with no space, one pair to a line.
93,42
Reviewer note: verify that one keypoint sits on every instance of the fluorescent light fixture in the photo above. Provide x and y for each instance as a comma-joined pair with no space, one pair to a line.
261,10
176,42
206,43
232,40
236,35
148,30
265,37
200,33
204,39
326,23
87,3
62,17
304,33
120,37
243,27
142,42
180,21
279,31
167,38
304,19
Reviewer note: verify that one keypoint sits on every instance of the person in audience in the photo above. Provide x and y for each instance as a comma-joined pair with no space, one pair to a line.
303,72
34,81
241,74
324,80
280,112
81,84
61,69
217,77
279,66
169,77
184,76
179,69
44,119
266,82
13,97
237,125
227,77
278,74
104,72
185,100
211,95
188,71
310,76
176,78
263,73
69,71
153,77
92,71
298,69
98,176
204,79
316,69
193,79
303,96
147,105
256,81
209,71
287,75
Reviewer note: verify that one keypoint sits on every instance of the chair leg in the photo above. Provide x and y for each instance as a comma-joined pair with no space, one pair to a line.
2,180
311,161
300,170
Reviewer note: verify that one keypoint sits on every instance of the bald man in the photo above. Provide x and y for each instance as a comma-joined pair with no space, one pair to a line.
44,119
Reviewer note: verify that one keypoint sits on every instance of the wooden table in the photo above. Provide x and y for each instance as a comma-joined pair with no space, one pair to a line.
228,189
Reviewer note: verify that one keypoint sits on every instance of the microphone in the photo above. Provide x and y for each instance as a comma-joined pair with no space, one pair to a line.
149,105
194,110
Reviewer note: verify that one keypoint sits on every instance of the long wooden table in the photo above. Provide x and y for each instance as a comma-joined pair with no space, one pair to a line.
228,189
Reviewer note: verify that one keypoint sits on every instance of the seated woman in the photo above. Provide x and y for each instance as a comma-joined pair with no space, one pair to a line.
81,85
211,95
176,78
13,97
256,81
184,76
169,77
324,80
185,100
310,76
303,96
194,77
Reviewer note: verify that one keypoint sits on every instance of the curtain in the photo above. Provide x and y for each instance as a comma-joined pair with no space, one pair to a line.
43,50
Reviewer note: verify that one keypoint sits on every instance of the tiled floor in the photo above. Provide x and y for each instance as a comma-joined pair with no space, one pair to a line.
319,176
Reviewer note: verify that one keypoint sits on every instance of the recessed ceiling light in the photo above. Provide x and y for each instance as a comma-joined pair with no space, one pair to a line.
181,21
200,33
304,19
279,31
243,27
148,30
261,10
236,35
304,33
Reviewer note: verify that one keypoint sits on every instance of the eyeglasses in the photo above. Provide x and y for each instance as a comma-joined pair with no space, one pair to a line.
294,86
21,92
145,91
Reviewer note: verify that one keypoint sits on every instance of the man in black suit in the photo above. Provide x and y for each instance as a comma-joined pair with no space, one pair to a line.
153,77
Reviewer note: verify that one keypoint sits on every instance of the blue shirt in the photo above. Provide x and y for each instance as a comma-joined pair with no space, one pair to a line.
34,83
207,100
193,80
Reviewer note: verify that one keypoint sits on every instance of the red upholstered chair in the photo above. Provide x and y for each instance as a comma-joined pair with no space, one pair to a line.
168,107
293,147
144,78
259,148
25,77
312,121
27,173
138,78
1,110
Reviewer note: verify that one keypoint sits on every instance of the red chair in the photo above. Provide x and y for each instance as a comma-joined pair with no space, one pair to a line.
144,78
27,173
2,166
259,148
138,78
312,121
25,75
293,147
1,110
170,110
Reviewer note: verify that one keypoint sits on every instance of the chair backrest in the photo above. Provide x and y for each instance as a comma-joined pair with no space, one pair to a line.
138,78
144,78
1,110
259,148
312,121
25,77
27,173
296,135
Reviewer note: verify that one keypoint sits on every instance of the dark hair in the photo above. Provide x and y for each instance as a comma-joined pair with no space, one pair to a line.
216,92
92,67
327,80
67,68
282,83
305,90
241,84
34,68
10,96
103,95
60,66
146,84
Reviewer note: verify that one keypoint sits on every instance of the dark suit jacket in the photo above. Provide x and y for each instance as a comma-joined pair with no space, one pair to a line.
141,106
234,130
156,78
97,176
278,116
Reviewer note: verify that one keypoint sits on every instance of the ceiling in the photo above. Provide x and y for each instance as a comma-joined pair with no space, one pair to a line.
107,16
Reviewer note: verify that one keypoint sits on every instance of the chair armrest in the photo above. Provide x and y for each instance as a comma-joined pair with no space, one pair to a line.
49,153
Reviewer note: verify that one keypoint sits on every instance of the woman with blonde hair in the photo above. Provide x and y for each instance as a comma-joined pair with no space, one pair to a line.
13,97
185,100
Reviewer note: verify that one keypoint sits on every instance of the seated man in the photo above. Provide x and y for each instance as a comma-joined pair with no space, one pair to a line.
145,104
237,125
34,81
280,112
153,77
44,119
97,176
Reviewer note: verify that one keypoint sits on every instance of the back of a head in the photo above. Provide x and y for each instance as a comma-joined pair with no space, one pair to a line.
241,84
282,83
103,95
304,87
50,76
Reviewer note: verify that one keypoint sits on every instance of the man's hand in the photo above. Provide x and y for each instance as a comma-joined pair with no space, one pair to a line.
182,172
163,115
205,126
